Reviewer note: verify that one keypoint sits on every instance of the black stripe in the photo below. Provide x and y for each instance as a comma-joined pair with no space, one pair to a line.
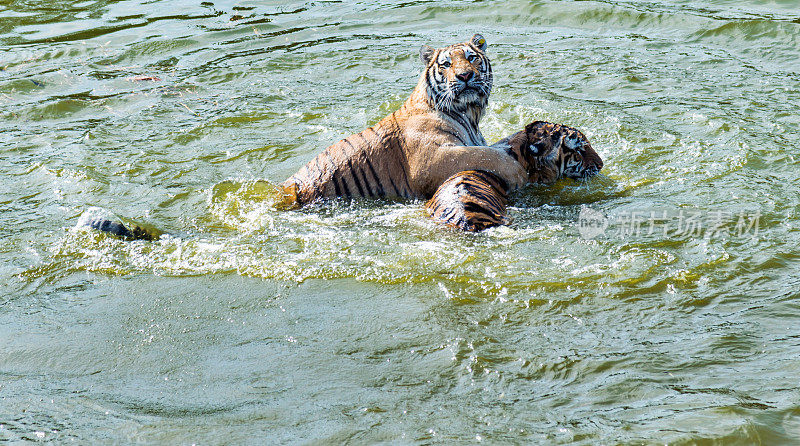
476,208
366,182
313,172
344,186
378,182
488,185
449,214
408,193
392,140
377,135
433,80
336,189
338,182
361,135
336,186
394,186
496,203
437,207
510,151
494,200
488,204
454,135
442,215
486,194
316,164
347,141
355,178
350,169
481,194
491,176
367,143
471,129
403,161
483,218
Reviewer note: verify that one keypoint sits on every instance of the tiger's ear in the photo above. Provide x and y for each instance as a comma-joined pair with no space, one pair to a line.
425,54
479,41
543,143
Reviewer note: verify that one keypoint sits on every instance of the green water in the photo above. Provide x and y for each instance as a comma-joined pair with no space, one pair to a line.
362,322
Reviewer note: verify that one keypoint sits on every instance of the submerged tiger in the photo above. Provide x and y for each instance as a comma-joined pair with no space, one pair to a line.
476,200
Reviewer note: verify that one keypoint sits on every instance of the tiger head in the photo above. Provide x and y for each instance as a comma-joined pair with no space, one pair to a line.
551,151
458,77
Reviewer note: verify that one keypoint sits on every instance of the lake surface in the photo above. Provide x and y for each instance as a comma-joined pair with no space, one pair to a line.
657,303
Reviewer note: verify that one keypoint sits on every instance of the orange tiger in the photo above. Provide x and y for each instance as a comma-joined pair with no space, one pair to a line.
412,151
476,200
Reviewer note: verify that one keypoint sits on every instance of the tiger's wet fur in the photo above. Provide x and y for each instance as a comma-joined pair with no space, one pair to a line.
476,200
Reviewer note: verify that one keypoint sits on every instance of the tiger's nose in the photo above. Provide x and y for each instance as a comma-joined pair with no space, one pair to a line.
465,76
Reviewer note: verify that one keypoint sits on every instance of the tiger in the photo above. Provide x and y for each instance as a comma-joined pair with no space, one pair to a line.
475,200
410,152
472,201
413,150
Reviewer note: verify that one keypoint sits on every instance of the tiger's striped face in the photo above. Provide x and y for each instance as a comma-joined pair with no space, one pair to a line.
552,151
458,77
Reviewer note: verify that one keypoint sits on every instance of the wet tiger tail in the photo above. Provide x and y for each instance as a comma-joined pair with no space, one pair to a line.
118,229
472,201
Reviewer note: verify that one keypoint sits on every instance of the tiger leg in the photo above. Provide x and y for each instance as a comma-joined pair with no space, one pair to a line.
289,197
430,172
472,201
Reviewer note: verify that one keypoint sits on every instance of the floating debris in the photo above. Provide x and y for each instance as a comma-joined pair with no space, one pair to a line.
143,78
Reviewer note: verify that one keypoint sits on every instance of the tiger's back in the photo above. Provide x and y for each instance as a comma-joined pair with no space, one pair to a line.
474,200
